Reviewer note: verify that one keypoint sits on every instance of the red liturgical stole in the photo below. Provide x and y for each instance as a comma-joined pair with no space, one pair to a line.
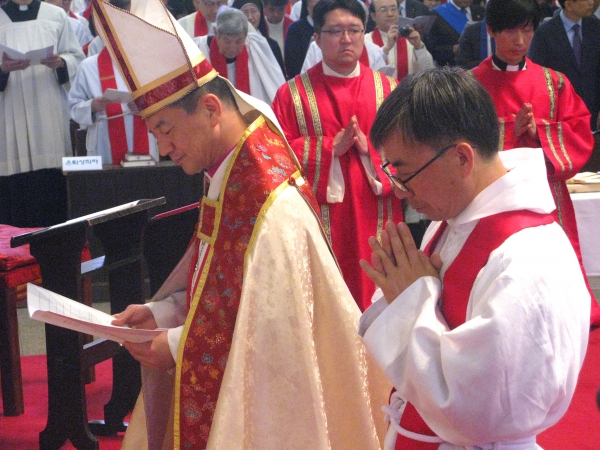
401,52
116,126
242,79
489,234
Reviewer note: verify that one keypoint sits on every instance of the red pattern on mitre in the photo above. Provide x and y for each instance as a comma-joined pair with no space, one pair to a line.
173,65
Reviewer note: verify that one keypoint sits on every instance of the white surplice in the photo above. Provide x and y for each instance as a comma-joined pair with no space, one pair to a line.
85,87
34,115
509,372
264,72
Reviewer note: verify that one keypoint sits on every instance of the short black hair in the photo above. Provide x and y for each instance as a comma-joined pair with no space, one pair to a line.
217,86
324,6
437,107
509,14
275,2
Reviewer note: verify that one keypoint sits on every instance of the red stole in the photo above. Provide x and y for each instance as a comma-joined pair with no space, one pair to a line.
72,14
242,79
87,13
489,233
401,52
200,27
116,126
227,226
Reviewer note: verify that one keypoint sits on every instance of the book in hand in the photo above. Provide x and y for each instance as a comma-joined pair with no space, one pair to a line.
49,307
137,160
34,56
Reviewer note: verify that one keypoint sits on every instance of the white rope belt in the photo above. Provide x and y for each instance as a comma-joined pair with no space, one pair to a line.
393,414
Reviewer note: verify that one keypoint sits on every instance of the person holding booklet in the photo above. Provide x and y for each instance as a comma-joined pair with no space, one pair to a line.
34,116
113,129
253,307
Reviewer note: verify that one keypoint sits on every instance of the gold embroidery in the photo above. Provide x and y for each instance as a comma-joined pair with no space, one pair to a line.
563,149
551,144
393,83
502,132
305,153
557,191
319,150
326,222
551,93
312,103
378,89
390,210
379,217
298,107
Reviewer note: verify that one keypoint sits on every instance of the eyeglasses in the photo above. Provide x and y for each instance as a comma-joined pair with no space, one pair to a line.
401,184
353,33
386,9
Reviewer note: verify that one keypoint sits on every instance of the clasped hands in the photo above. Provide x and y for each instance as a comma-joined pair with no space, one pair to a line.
396,263
351,136
525,121
155,353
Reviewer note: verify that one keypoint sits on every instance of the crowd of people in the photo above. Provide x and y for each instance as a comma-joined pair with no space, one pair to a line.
331,133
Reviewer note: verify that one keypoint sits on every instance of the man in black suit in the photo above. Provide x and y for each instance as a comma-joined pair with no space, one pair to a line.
406,8
451,19
474,45
553,46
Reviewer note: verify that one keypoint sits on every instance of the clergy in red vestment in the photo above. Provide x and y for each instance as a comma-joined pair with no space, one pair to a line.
536,107
326,115
201,23
249,315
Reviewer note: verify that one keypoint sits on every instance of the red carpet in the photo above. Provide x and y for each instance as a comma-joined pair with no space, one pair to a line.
22,432
579,429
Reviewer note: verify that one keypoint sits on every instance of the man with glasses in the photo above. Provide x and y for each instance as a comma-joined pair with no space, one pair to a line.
202,22
326,115
483,331
405,54
537,106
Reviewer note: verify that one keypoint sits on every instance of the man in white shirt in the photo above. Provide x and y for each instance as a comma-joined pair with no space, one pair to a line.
484,331
276,20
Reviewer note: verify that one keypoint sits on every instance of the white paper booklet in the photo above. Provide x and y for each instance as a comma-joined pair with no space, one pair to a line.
48,307
34,56
116,96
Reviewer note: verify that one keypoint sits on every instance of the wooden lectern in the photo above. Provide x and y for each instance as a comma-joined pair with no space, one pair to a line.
57,250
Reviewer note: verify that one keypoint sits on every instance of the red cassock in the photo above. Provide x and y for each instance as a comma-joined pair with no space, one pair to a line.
312,108
563,128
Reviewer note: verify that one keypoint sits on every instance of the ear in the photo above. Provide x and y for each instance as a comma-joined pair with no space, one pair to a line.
466,158
489,30
317,38
213,108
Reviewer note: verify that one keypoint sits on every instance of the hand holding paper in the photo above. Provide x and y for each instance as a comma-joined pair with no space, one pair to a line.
48,307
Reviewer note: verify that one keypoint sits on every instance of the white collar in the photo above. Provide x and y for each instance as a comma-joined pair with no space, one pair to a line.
332,73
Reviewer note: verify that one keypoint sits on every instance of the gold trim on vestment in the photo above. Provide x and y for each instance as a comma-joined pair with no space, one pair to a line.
378,89
393,82
379,217
563,149
390,209
197,293
326,222
502,132
316,121
551,93
170,76
298,107
548,132
305,153
556,187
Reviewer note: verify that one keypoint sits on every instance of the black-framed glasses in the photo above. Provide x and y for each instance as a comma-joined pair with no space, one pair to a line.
338,32
401,184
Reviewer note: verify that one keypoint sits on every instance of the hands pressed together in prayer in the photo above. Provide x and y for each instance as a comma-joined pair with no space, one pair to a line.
155,353
351,136
525,121
396,263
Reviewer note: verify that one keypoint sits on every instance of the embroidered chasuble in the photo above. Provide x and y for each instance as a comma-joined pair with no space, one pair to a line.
266,303
312,108
489,233
563,127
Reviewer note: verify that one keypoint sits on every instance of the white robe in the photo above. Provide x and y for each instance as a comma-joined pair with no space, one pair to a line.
95,46
510,371
264,72
294,304
314,55
81,30
34,115
189,23
418,60
84,89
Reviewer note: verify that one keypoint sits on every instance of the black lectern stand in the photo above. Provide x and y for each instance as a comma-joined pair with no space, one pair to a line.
57,250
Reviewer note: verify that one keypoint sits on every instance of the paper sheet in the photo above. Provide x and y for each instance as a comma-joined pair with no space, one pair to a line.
116,96
48,307
34,56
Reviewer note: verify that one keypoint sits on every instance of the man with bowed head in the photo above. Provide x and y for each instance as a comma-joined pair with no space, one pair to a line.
326,115
484,331
251,310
